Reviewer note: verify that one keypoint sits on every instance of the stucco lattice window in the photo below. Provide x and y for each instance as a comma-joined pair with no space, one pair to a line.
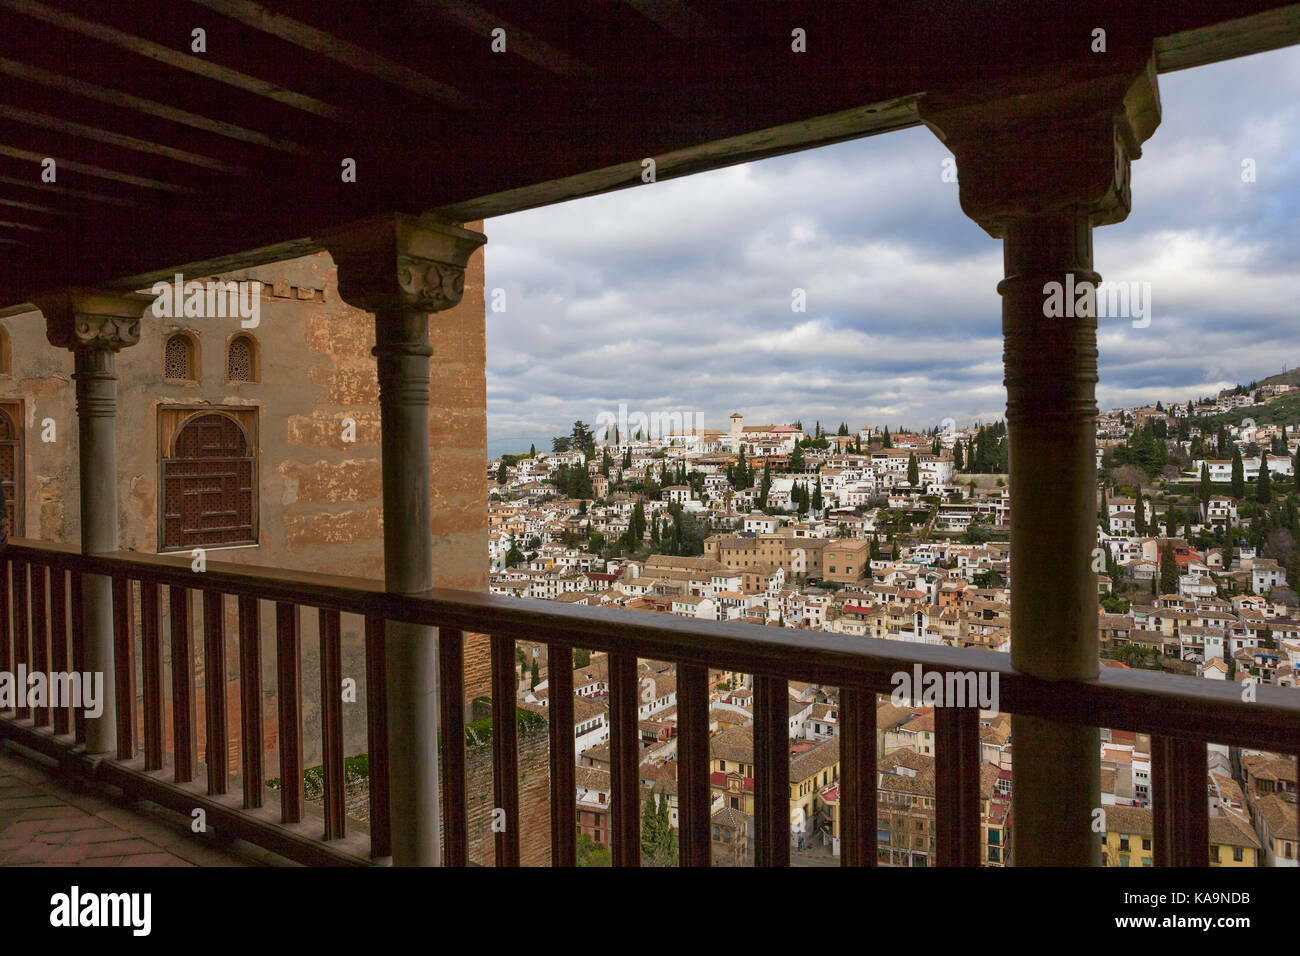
239,361
178,359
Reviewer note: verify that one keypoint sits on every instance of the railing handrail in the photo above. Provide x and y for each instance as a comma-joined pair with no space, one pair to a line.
1165,704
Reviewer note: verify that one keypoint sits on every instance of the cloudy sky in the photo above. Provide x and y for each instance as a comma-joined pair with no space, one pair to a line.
676,296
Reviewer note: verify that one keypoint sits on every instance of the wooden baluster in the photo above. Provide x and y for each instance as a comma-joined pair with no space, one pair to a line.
505,754
381,840
124,665
451,714
151,670
250,700
216,754
1180,802
564,810
41,716
59,641
772,824
184,731
331,694
857,719
78,651
6,619
694,798
22,602
288,656
957,786
624,754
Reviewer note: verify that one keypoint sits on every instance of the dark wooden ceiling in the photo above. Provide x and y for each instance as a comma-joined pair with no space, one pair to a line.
169,157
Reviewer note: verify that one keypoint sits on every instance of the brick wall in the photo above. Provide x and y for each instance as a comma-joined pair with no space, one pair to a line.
534,799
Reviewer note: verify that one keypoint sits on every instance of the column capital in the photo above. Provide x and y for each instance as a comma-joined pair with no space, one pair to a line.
98,319
414,263
1049,142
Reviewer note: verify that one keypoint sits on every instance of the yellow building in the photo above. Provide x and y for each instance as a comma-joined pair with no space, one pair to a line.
1233,842
1127,840
810,773
731,769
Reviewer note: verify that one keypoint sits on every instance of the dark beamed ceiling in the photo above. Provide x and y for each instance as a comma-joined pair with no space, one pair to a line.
168,157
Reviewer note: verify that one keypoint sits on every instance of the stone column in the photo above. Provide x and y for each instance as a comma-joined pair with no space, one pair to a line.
95,325
1039,166
401,269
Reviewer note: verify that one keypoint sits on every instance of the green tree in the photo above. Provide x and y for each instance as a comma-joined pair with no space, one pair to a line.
534,676
658,842
1264,484
817,495
591,853
1168,570
957,459
532,451
582,439
885,441
501,473
1238,475
913,471
1204,491
797,463
1140,515
581,657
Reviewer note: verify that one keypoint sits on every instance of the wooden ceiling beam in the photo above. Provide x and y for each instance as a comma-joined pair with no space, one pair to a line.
173,58
70,128
518,41
349,54
139,104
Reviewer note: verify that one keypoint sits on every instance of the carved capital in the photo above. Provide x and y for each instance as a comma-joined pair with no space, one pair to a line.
92,318
1050,142
402,262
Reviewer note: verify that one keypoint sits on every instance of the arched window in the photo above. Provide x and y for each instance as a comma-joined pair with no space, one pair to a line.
179,364
241,359
208,483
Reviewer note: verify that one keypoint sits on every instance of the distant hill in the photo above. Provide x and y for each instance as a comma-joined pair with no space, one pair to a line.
1291,377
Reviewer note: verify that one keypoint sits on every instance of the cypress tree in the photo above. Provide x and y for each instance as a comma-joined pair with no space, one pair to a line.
1238,475
913,472
1205,488
1140,515
1168,569
1264,485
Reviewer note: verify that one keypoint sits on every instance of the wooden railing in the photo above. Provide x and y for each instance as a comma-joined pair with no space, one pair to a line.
40,627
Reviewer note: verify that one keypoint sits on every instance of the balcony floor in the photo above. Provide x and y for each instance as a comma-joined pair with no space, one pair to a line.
48,821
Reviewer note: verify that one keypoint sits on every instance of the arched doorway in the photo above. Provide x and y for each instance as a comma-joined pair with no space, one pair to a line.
208,481
12,468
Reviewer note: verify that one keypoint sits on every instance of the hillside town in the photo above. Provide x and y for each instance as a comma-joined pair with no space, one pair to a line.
904,536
